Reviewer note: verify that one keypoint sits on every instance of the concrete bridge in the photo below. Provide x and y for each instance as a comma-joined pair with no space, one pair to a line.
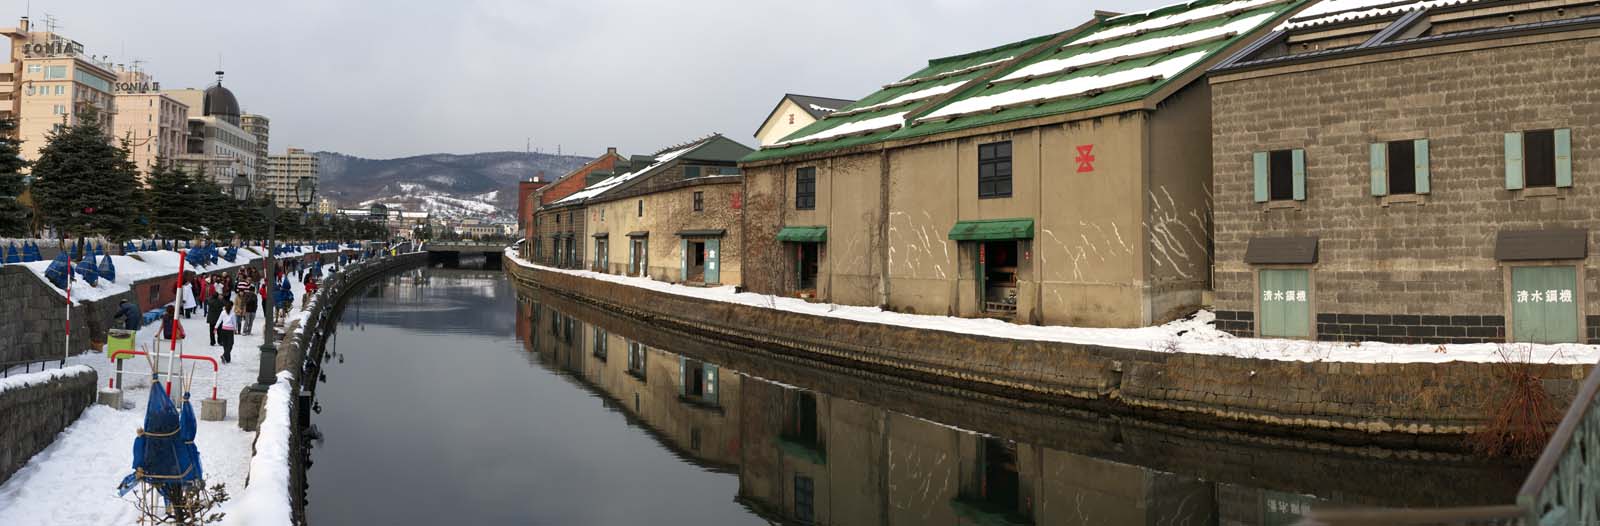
449,253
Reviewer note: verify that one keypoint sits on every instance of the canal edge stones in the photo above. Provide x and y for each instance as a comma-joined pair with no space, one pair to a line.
1405,404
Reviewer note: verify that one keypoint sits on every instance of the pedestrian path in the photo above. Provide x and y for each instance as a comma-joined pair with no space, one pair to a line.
73,482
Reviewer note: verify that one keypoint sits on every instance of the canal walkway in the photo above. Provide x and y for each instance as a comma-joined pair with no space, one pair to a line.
74,480
1193,335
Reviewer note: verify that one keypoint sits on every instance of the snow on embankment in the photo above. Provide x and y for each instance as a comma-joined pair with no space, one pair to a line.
22,381
266,500
1196,334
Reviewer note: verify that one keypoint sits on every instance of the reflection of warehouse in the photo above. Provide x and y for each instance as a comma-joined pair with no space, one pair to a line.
1385,177
678,399
928,195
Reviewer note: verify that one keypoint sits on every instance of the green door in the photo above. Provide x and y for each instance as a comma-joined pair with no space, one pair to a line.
1544,304
1285,303
683,263
713,260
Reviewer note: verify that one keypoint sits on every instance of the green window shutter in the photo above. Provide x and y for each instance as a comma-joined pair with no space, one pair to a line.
713,261
683,376
1422,173
1514,161
1379,162
711,388
1563,157
1261,177
1299,175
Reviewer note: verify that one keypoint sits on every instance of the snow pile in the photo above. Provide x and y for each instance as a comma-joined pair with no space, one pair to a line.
266,500
1175,19
815,107
1196,334
1071,87
150,264
850,128
1328,11
31,379
1134,49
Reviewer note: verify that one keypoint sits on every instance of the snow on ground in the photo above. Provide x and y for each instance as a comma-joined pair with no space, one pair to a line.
73,482
1196,334
266,500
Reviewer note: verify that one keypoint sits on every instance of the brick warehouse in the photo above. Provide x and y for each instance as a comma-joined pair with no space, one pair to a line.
1416,175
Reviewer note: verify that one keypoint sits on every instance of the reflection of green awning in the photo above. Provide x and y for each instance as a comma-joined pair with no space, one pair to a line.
803,234
992,230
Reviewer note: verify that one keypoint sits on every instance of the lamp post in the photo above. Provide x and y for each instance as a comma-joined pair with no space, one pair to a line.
267,375
305,190
380,216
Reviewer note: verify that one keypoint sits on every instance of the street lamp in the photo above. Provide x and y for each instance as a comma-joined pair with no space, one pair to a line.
380,215
268,373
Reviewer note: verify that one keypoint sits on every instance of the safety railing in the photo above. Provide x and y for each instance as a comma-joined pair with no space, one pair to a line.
28,366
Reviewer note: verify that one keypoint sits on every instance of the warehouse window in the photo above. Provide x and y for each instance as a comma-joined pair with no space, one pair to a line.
641,208
805,188
1280,175
1539,149
691,172
1538,158
994,170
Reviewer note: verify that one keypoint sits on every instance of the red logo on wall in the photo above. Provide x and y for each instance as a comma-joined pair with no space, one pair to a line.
1085,158
738,200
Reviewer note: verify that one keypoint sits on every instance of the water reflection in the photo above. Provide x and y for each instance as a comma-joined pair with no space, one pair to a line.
465,401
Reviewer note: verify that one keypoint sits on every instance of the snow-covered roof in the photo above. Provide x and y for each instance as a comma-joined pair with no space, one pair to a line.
1330,11
1107,61
615,181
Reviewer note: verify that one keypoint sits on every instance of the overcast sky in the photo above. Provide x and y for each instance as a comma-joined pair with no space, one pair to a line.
380,78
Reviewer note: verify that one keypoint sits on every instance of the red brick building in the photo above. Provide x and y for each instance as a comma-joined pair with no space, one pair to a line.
558,189
525,207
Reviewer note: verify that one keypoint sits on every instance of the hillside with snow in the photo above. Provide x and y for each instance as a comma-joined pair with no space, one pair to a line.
448,184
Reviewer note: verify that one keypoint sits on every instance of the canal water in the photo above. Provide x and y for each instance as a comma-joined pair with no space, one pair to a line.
453,397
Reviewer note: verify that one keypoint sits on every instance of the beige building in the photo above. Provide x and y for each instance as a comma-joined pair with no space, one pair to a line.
325,206
260,127
152,125
794,112
50,82
1062,180
284,173
218,146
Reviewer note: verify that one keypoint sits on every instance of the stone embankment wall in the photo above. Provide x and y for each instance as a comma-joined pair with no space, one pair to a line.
35,407
1426,405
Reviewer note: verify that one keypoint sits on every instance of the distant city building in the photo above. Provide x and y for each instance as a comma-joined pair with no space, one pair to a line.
218,146
325,206
153,125
260,127
49,82
284,173
794,112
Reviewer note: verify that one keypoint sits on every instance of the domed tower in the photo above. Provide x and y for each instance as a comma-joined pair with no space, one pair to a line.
220,103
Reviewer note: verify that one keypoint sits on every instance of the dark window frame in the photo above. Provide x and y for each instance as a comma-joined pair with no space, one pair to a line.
805,188
600,343
637,354
691,172
641,208
804,508
1402,175
994,170
699,201
1280,175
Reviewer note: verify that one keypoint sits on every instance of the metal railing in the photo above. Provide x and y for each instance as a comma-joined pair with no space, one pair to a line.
1562,489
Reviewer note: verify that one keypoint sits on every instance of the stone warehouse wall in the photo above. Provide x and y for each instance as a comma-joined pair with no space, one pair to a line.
1399,403
33,413
33,314
1391,271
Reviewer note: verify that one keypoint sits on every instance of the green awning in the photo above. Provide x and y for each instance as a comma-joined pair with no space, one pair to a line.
803,234
992,230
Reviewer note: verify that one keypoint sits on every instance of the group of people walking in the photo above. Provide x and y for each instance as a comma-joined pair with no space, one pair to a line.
229,302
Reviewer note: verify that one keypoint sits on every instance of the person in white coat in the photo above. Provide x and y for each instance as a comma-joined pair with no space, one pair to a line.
186,293
227,324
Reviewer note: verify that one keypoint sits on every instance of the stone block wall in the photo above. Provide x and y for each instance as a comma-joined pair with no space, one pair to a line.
1377,402
33,314
39,407
1395,271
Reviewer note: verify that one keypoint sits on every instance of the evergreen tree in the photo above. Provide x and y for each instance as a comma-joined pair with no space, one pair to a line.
83,185
14,221
171,214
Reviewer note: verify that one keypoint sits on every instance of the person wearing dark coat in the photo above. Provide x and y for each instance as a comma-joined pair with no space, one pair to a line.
168,328
129,314
214,306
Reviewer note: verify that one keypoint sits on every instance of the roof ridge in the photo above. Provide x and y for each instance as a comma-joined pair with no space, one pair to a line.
691,143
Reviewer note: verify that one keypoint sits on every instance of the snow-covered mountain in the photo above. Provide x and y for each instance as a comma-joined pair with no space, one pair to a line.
449,185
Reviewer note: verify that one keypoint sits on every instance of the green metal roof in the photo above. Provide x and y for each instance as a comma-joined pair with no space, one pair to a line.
992,230
803,234
1117,60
